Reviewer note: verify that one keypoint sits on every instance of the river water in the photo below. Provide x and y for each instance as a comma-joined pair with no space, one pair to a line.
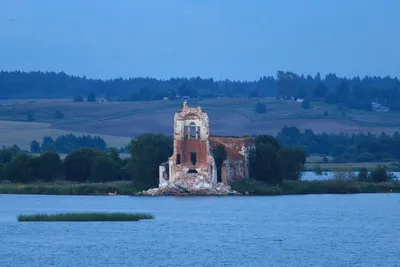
309,230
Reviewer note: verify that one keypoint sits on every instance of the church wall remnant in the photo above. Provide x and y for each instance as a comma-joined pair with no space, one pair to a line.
238,151
192,167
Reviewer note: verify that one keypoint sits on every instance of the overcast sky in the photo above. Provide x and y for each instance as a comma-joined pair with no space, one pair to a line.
223,39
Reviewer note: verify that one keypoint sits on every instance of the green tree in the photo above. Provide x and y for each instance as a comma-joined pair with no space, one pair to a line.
171,94
7,154
265,162
331,98
293,160
134,97
381,174
365,157
35,147
306,104
219,154
260,108
48,166
148,151
145,93
77,164
321,90
2,166
343,92
59,115
104,169
48,144
19,169
363,175
30,117
268,139
113,153
318,171
78,98
91,97
126,169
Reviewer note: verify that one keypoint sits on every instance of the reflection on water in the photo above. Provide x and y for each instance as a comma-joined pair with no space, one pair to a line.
310,230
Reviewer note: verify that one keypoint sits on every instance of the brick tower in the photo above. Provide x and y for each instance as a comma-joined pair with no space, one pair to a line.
192,153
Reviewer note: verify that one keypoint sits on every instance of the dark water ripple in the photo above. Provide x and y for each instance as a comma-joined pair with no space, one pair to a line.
319,230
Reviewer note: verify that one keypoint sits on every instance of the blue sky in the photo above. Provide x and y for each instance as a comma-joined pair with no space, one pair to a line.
223,39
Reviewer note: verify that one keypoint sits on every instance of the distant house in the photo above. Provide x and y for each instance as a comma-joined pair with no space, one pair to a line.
378,107
165,98
102,100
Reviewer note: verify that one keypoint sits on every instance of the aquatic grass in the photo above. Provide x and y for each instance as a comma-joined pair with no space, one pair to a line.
85,217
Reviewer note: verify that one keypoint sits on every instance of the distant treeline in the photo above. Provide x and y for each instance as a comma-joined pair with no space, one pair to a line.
353,92
362,147
66,143
19,84
81,165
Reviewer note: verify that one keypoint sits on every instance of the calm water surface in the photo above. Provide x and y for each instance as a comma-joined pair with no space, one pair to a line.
312,230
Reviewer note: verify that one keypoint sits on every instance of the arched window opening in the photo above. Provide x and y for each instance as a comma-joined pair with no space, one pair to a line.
193,130
178,159
192,171
193,158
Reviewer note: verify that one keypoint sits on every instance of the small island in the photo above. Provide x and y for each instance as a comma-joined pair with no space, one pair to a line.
85,217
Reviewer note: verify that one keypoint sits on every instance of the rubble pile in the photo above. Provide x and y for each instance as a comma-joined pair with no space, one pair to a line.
191,184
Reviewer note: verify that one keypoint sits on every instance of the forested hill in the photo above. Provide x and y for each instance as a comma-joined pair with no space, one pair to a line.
353,92
19,84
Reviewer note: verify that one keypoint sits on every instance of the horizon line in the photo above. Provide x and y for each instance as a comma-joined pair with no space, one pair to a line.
202,77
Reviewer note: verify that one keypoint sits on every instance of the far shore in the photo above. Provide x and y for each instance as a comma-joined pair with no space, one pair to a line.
246,188
350,166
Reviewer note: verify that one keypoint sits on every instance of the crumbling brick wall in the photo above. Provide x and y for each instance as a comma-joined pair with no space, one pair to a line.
192,135
237,166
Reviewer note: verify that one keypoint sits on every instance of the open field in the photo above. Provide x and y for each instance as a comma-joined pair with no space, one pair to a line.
120,121
22,133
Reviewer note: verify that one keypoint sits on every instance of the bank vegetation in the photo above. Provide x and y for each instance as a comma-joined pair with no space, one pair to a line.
274,169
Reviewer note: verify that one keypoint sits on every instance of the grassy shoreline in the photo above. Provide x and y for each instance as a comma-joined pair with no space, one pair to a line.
66,188
315,187
250,186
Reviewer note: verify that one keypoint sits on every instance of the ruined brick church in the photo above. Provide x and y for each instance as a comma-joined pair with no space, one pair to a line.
192,167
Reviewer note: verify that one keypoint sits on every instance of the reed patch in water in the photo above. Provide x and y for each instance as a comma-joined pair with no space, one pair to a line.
84,217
